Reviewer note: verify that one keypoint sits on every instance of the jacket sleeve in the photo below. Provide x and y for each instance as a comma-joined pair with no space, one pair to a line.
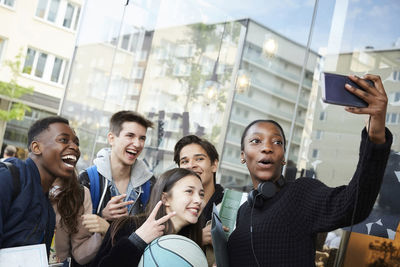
325,208
123,253
84,245
6,189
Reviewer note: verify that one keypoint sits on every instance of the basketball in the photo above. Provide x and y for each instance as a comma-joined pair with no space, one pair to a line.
173,251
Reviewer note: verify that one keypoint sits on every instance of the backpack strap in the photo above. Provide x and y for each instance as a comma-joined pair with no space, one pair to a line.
145,196
16,181
94,186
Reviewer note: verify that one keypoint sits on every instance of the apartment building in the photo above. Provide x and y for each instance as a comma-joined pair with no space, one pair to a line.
44,33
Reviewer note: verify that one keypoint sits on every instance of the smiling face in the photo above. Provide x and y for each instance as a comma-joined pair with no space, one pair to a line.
264,152
56,151
186,198
127,146
195,158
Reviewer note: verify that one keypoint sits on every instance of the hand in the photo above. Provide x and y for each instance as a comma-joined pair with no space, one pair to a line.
207,240
116,208
152,228
95,224
377,101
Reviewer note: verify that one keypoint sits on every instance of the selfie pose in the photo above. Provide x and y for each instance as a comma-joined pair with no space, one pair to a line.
175,205
278,224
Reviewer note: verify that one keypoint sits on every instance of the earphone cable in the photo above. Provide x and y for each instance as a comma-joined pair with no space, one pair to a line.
251,230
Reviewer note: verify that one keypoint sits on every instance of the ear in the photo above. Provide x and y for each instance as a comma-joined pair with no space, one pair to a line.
110,138
35,148
214,166
164,199
242,157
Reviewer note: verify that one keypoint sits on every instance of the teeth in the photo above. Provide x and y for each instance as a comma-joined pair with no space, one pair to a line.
69,165
69,157
131,151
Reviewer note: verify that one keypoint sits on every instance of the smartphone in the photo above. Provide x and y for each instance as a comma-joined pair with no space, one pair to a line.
334,92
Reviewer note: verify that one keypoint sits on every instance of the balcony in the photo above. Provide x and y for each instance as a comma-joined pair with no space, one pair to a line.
266,64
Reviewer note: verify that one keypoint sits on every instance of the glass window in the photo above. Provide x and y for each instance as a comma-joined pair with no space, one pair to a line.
41,63
69,13
9,3
55,74
53,10
41,8
315,153
78,13
2,44
397,97
30,56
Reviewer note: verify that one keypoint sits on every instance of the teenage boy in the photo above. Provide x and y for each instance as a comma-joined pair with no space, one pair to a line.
199,155
123,180
26,215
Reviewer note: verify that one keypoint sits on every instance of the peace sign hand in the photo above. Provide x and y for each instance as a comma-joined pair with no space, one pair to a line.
152,228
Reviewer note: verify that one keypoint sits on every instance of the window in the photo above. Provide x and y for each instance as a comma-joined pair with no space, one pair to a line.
322,116
315,153
138,73
392,118
396,96
2,44
45,66
319,134
60,12
9,3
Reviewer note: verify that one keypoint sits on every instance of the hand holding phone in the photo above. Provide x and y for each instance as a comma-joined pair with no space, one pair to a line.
334,92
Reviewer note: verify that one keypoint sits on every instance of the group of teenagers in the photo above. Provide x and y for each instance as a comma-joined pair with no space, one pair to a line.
48,202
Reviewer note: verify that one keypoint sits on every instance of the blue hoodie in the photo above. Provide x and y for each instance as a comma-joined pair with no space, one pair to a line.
29,219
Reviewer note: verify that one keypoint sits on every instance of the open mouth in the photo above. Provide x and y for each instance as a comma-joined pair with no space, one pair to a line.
132,152
69,160
265,162
194,211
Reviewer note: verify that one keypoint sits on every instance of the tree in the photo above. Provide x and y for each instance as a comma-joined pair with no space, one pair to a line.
12,91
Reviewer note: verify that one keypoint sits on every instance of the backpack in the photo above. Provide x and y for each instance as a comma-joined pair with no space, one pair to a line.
95,188
16,181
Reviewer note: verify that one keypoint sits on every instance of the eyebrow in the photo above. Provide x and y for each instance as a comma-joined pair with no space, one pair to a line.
273,134
196,155
65,134
193,187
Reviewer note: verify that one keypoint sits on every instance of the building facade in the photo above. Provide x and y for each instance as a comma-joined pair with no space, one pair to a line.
43,32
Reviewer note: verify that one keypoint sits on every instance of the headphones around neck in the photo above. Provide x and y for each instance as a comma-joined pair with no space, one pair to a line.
264,191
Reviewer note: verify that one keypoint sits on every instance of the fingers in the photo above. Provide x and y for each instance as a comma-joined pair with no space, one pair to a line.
155,210
166,217
117,199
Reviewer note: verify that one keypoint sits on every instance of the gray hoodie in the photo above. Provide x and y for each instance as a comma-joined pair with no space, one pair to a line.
139,172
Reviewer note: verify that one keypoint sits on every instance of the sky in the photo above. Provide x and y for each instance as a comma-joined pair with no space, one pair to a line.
358,23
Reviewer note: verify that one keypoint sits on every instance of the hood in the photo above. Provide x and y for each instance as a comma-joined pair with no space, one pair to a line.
139,172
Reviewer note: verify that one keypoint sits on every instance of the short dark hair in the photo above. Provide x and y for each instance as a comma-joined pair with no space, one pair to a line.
40,125
117,119
260,121
193,139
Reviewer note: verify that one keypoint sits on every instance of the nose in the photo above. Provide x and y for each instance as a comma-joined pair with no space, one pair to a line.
266,147
197,198
191,165
136,142
73,145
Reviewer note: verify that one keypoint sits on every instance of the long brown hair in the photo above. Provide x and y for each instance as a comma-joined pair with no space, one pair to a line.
69,203
164,184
